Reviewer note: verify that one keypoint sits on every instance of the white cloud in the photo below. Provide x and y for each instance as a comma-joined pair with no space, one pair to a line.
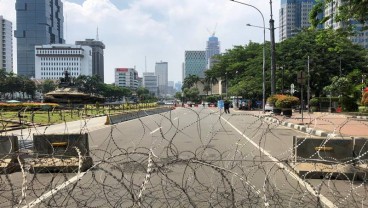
158,29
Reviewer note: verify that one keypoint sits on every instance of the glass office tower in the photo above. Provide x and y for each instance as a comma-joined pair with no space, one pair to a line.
39,22
195,63
293,17
97,56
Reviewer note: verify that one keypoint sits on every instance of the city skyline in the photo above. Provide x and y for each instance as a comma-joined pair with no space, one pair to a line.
133,30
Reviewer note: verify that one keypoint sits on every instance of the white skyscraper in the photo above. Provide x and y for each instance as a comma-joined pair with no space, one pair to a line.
51,61
6,49
161,71
150,82
126,77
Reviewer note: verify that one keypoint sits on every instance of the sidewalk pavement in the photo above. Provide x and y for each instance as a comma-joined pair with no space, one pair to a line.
324,124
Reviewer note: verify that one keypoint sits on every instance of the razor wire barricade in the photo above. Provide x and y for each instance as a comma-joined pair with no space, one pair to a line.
174,160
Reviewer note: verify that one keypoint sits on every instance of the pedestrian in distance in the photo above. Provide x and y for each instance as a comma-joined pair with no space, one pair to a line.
227,106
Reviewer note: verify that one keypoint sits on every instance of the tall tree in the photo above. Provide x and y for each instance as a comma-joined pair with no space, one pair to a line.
190,81
29,88
13,84
347,10
330,53
242,67
47,86
3,75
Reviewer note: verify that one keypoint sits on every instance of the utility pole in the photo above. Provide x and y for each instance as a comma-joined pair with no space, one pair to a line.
273,49
308,89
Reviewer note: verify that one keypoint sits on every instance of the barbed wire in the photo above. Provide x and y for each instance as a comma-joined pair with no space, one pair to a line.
188,157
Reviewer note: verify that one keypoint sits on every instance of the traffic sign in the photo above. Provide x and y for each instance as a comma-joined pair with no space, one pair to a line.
301,77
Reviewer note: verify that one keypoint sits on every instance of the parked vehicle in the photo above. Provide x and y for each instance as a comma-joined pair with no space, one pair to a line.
268,107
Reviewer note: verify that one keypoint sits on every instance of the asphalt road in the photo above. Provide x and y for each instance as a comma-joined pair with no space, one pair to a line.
195,157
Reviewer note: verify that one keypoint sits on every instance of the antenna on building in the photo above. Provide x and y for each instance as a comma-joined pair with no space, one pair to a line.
97,34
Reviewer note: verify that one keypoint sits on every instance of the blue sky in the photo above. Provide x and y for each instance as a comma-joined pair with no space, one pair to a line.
157,29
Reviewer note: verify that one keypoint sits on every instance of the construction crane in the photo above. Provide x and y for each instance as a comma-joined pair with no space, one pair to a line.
213,33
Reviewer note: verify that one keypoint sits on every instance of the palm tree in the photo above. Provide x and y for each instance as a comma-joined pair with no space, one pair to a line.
206,87
190,80
210,79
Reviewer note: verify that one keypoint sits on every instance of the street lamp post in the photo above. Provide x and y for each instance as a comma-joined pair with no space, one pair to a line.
264,54
273,49
226,84
282,80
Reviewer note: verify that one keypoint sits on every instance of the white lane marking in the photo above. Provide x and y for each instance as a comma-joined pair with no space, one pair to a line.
175,118
323,199
152,132
55,190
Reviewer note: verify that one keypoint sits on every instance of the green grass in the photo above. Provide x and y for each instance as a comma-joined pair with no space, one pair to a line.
10,118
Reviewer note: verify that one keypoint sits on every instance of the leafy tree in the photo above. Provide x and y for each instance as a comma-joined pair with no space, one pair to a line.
212,99
192,94
330,53
48,86
143,93
29,88
210,80
242,67
88,84
113,92
207,87
343,87
190,81
178,95
3,75
13,84
348,9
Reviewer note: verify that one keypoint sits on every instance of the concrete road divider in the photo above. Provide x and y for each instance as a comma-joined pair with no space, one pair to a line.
8,154
118,118
60,153
361,152
335,150
336,158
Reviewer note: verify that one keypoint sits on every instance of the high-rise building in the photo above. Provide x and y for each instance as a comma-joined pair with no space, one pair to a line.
6,49
178,86
293,17
195,63
97,56
126,77
52,61
161,71
39,22
213,48
360,36
171,84
150,82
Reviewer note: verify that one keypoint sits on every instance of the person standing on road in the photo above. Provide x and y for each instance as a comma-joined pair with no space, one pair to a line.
227,106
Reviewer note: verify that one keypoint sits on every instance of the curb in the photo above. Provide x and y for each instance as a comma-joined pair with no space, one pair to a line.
298,127
361,117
